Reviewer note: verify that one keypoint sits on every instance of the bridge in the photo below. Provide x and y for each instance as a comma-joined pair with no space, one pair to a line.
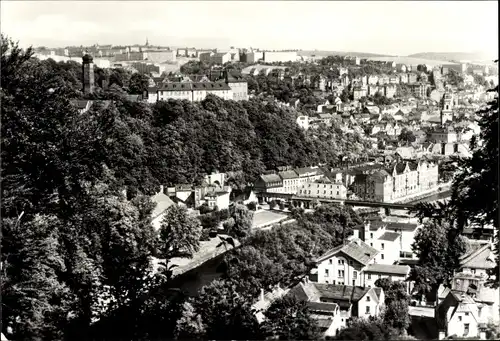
305,202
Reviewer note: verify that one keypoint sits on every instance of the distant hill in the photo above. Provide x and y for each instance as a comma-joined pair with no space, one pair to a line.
320,53
453,56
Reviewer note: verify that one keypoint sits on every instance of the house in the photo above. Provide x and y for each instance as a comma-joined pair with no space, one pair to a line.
458,315
401,67
344,264
396,273
269,183
162,203
359,92
290,181
479,258
334,305
218,198
373,79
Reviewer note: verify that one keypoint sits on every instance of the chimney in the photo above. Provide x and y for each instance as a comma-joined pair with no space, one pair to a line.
262,294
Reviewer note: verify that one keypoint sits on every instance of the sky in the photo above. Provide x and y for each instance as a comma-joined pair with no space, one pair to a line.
384,27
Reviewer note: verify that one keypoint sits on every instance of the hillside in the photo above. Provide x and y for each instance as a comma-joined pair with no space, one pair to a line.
338,53
453,56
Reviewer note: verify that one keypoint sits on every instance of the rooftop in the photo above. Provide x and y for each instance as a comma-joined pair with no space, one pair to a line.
389,236
388,269
356,249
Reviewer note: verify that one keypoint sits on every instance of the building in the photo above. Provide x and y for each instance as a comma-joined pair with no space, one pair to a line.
160,56
390,90
458,315
396,273
146,68
218,198
359,92
396,182
236,82
419,90
193,92
403,78
383,79
281,56
290,181
323,189
130,56
334,305
372,89
401,68
269,183
373,79
252,57
344,264
308,174
443,135
447,108
162,203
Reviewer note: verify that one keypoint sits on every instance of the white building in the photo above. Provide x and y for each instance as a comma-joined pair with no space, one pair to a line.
324,189
281,56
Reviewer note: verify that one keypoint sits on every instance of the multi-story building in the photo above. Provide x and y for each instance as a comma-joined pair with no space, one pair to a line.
403,78
396,273
130,56
419,90
396,182
290,181
383,79
461,68
160,56
324,189
279,56
443,135
236,82
308,174
394,79
344,264
372,89
190,91
271,183
373,79
359,91
390,90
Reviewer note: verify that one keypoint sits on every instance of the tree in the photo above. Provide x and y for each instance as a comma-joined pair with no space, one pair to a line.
396,311
243,220
406,136
288,318
138,83
475,186
372,328
179,234
221,313
438,248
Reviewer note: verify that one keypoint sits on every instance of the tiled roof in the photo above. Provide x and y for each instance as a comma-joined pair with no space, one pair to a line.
200,86
388,269
356,249
271,178
321,306
392,225
341,292
389,236
290,174
479,259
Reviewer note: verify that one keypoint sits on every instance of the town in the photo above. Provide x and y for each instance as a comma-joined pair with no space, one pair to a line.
173,192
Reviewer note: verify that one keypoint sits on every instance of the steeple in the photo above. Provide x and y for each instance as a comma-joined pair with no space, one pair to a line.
88,73
147,42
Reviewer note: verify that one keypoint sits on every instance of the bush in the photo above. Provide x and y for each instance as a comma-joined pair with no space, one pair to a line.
272,204
252,206
205,235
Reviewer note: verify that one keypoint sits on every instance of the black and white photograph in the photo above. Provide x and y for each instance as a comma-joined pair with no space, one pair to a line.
249,170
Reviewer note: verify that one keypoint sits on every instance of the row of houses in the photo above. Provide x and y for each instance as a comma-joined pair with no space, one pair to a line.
374,182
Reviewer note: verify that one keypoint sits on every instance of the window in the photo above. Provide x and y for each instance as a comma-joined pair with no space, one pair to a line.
382,246
330,261
460,318
371,244
473,271
367,298
341,273
382,256
467,314
371,235
355,274
479,311
341,262
367,309
326,273
466,329
369,276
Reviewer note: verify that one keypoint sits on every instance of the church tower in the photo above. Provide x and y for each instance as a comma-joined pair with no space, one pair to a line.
447,109
88,73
